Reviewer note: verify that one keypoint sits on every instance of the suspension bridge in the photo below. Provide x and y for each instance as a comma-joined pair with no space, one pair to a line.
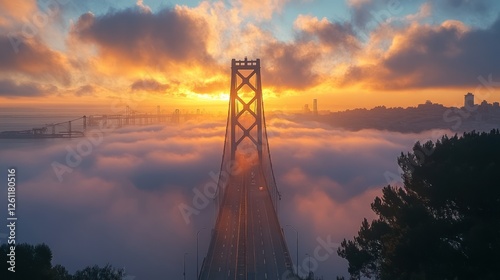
77,127
247,242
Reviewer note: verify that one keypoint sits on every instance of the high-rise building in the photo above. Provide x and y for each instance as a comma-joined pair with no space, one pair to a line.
315,106
469,100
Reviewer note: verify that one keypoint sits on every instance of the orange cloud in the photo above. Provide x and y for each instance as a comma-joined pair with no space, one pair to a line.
165,52
260,10
165,41
17,10
33,59
424,56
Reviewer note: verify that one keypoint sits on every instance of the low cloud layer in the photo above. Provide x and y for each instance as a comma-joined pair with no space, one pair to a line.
121,191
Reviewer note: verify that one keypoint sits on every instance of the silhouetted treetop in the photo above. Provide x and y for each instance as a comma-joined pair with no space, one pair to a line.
35,263
444,223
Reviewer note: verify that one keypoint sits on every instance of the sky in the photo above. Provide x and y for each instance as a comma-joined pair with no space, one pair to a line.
347,54
115,196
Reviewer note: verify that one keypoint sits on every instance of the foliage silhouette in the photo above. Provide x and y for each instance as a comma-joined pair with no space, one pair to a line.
35,263
97,273
444,223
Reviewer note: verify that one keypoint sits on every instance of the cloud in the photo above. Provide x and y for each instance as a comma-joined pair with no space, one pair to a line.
32,58
336,36
123,188
357,3
16,11
191,46
259,10
449,55
185,50
10,88
362,10
168,50
213,86
424,11
144,8
149,85
85,90
290,65
123,195
138,38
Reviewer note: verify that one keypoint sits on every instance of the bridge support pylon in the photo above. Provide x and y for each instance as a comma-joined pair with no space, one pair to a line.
245,112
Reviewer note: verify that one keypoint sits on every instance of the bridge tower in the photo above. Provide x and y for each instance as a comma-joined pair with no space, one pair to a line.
246,75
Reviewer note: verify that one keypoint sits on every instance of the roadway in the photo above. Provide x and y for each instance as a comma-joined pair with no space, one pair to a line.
248,242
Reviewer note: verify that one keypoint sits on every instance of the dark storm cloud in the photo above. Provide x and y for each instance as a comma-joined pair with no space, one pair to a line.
33,58
10,88
143,37
436,57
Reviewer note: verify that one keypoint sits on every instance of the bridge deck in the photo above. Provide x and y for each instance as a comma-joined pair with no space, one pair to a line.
248,242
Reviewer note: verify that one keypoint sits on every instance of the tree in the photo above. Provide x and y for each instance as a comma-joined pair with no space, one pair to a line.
59,272
97,273
35,262
42,261
443,223
32,262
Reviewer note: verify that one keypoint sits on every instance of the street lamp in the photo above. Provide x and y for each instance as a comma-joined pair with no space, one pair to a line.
184,272
297,264
197,270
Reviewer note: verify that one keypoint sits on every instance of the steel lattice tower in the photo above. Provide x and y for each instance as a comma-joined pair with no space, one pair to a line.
240,79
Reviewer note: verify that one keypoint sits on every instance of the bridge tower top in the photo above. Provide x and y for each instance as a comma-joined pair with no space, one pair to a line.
245,110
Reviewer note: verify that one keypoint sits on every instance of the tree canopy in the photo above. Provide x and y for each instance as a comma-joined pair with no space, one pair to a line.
35,263
443,223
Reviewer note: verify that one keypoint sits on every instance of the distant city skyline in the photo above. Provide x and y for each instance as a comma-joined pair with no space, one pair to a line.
79,109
